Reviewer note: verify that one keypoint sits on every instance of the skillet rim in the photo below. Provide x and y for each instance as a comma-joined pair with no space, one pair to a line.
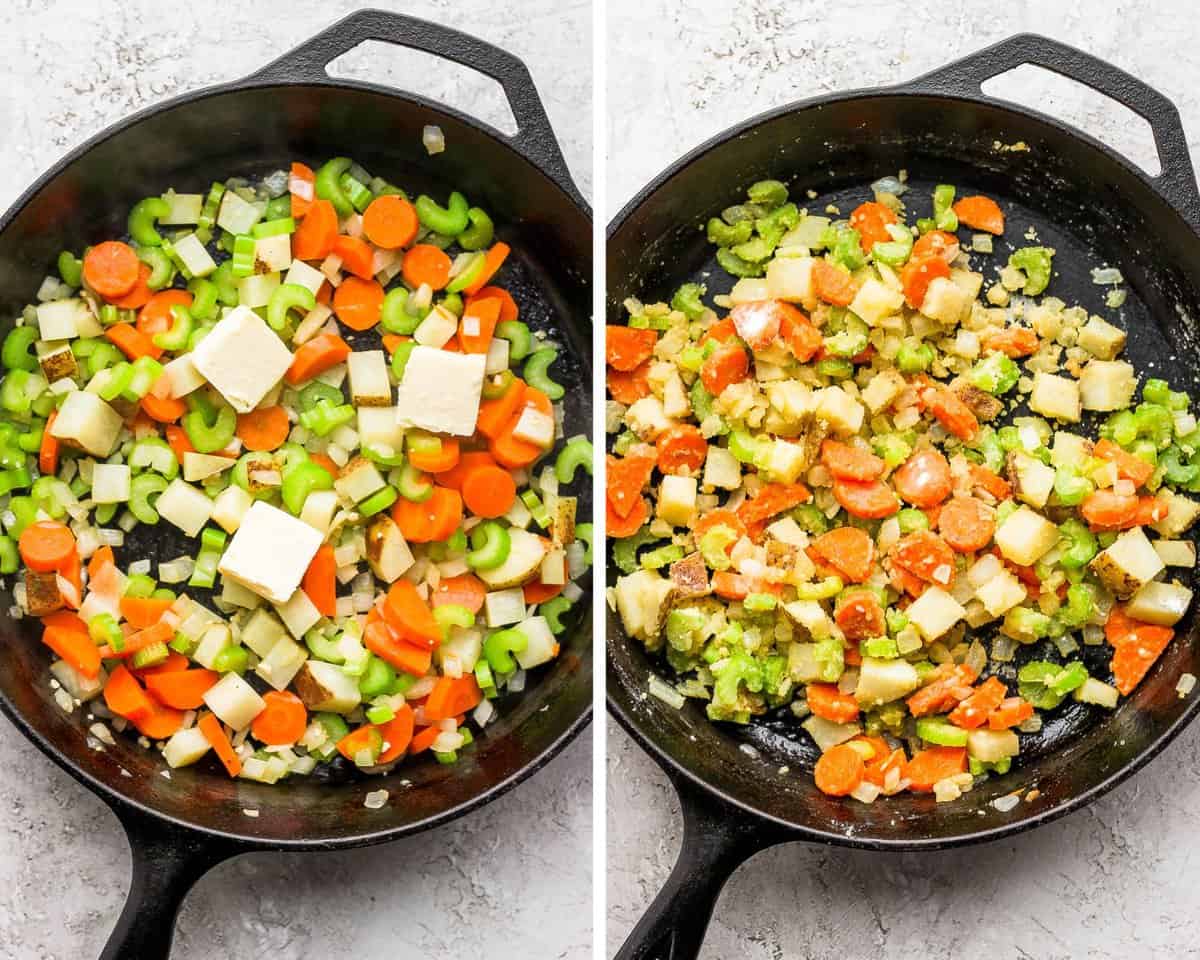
699,791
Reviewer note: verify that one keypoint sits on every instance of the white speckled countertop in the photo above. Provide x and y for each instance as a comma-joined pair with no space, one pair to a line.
1117,880
70,68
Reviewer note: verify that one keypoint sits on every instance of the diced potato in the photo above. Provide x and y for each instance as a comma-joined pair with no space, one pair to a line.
828,734
1182,512
369,384
1025,537
1107,385
58,363
790,278
811,616
271,254
749,290
1128,564
562,521
1176,553
554,567
842,412
1069,450
464,645
235,702
882,390
1033,480
969,281
437,328
541,648
388,552
1097,692
990,746
200,263
676,403
502,607
110,482
525,555
87,422
874,301
280,666
201,466
358,479
786,530
647,418
324,687
677,500
60,319
1055,397
262,631
319,508
721,469
946,302
80,688
299,614
378,426
184,506
214,636
230,506
786,461
882,681
934,612
1160,603
1101,339
185,747
1001,593
640,597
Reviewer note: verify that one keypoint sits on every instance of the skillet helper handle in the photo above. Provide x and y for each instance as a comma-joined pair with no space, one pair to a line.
167,862
717,839
965,77
535,137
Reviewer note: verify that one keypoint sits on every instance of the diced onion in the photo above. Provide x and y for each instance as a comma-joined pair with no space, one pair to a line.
139,567
422,688
433,139
484,712
177,570
663,691
1186,684
517,682
110,538
889,184
447,742
1105,275
1006,803
376,800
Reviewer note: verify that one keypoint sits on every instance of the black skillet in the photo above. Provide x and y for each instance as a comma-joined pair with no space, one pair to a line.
1095,208
291,109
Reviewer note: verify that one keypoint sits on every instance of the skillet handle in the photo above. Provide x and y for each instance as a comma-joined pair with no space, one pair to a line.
167,861
717,839
534,138
965,77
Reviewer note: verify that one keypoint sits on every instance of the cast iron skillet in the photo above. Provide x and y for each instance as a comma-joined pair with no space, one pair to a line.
181,827
1094,207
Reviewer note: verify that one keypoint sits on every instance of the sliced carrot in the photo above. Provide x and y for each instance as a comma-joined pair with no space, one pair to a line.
924,478
1129,467
515,453
161,723
967,524
980,213
871,221
926,555
839,770
75,648
626,348
918,274
493,260
936,243
847,549
155,315
1136,653
315,357
773,499
143,612
163,409
431,521
539,592
1013,342
494,415
681,449
49,448
385,643
390,222
1012,712
139,294
425,263
869,501
725,366
833,284
132,342
973,712
177,439
1106,510
723,331
391,341
444,458
316,233
181,689
802,338
489,491
478,325
628,525
283,719
265,428
397,734
929,766
125,697
829,703
851,463
214,733
948,686
883,763
423,739
952,413
508,306
111,268
103,557
160,632
468,461
626,477
356,255
358,302
722,516
465,590
860,616
302,186
451,696
991,482
320,581
46,545
406,611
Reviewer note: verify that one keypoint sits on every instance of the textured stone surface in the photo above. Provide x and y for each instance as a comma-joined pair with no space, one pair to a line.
1117,880
69,69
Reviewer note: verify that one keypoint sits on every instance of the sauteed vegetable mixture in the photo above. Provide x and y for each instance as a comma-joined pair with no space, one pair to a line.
348,424
919,515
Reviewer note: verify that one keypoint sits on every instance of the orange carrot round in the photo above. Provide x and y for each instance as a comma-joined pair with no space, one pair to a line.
849,550
356,255
627,347
1015,342
181,689
493,260
111,268
318,355
390,222
451,696
923,479
282,720
869,501
681,449
155,315
851,463
358,303
860,615
629,387
725,366
967,524
508,306
465,590
139,295
300,175
489,491
264,429
397,734
425,263
927,767
871,220
628,525
936,243
839,770
918,274
925,555
468,461
46,545
315,236
833,284
320,581
826,701
445,458
980,213
163,409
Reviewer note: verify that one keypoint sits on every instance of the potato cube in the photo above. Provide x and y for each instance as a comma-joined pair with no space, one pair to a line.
946,302
185,506
369,384
234,701
87,422
647,418
1176,553
840,410
1160,603
640,598
110,482
874,301
934,612
882,390
990,746
721,469
1069,450
1101,339
1001,593
1107,385
677,500
882,681
1025,537
790,278
1032,479
1128,564
1181,513
786,461
1056,397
